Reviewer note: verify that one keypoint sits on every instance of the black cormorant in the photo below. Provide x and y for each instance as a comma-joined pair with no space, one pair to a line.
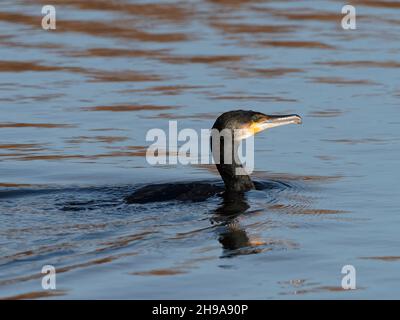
241,124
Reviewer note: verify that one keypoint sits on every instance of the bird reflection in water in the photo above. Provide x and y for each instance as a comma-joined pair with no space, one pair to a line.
232,236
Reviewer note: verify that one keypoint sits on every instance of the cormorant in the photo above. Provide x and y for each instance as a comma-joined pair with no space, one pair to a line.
241,124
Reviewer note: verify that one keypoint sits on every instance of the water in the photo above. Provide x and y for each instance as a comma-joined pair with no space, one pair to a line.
77,102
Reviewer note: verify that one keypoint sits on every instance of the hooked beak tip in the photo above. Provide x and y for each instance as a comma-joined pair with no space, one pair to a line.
298,120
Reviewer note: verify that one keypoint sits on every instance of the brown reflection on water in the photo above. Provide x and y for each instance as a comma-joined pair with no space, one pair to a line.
159,272
299,210
107,129
343,81
86,226
214,59
294,177
277,176
37,295
41,45
20,66
95,139
53,157
330,113
252,98
40,98
22,146
362,64
195,116
272,72
250,28
161,55
233,3
113,52
34,125
14,185
117,30
357,141
19,18
122,76
307,15
126,108
34,252
124,241
297,44
43,97
114,29
304,286
169,89
379,4
27,154
95,75
7,155
383,258
325,157
179,268
161,11
103,260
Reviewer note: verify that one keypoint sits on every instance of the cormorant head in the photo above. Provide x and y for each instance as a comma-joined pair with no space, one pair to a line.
251,122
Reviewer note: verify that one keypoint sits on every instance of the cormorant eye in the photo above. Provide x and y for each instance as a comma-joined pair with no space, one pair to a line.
255,117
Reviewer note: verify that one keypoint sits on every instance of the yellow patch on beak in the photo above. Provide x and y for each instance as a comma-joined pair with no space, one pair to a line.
255,128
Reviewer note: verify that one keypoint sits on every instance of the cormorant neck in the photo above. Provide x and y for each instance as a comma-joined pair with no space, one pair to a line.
233,181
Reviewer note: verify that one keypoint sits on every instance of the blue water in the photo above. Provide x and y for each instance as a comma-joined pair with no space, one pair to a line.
76,104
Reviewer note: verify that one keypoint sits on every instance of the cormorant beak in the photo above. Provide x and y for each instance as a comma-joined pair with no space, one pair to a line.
267,122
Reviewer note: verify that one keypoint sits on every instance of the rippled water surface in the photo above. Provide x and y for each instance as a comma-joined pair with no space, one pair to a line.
76,104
